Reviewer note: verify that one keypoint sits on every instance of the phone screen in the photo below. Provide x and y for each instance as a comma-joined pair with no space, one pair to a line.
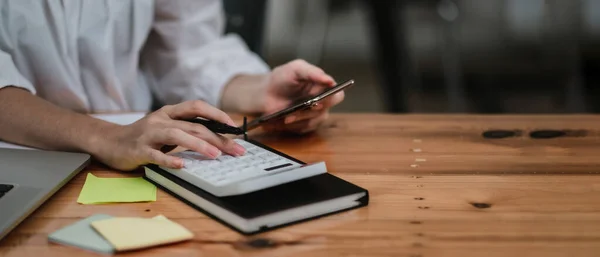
300,104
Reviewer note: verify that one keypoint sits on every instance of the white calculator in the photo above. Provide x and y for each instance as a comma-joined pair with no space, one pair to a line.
258,169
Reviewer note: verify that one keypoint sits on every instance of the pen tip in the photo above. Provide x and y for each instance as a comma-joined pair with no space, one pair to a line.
245,130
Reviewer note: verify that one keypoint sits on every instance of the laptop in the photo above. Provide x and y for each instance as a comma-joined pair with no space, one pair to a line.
29,177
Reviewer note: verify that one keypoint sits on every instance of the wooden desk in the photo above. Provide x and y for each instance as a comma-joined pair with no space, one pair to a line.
437,189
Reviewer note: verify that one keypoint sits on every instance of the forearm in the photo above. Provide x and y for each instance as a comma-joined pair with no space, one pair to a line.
29,120
245,94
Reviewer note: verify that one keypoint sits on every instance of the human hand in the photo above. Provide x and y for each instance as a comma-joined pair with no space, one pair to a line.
297,79
128,147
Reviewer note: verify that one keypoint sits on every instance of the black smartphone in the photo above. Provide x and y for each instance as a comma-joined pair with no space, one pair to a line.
300,104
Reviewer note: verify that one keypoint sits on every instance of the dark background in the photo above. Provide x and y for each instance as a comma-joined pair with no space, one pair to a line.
429,56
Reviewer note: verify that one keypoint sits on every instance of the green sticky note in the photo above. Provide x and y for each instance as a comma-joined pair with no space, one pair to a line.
116,190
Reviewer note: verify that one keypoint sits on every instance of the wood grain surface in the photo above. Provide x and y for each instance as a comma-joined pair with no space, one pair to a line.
438,188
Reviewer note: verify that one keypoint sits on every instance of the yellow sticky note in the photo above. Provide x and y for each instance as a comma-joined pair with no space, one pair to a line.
116,190
129,233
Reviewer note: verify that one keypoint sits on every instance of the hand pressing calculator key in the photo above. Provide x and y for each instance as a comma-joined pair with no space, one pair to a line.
258,169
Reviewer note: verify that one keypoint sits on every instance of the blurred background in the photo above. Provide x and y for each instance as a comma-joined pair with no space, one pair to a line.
437,56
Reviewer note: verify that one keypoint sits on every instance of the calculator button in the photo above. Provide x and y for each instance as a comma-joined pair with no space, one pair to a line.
227,170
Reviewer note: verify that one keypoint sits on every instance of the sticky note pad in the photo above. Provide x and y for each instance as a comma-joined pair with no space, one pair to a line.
81,234
116,190
129,233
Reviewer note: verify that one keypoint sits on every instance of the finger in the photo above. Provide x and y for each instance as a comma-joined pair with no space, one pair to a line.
330,101
193,109
224,144
303,115
309,72
320,107
175,136
316,89
157,157
306,126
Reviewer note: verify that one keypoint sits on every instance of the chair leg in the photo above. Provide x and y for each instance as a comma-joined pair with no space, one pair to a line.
247,19
575,91
453,75
389,46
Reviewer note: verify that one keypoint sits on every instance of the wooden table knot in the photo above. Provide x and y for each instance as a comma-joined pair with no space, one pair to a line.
481,205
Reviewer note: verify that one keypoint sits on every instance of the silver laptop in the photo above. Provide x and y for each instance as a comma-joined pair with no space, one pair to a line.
29,177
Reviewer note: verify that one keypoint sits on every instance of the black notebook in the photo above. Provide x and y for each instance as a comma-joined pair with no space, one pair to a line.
268,208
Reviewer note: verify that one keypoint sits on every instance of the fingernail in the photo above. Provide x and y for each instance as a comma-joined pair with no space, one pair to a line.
317,107
178,163
214,152
290,119
239,150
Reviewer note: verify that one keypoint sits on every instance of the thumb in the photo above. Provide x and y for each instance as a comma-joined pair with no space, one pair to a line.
308,72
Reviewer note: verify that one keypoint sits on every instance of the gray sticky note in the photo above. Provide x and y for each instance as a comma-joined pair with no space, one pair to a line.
81,234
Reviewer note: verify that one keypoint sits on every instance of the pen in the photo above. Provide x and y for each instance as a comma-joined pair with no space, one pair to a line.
218,127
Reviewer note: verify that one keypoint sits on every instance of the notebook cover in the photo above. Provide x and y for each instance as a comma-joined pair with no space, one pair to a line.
275,199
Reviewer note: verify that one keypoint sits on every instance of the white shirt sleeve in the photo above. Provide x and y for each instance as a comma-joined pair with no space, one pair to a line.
186,56
10,76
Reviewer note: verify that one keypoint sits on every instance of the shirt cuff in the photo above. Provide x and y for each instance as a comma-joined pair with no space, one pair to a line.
15,81
10,77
